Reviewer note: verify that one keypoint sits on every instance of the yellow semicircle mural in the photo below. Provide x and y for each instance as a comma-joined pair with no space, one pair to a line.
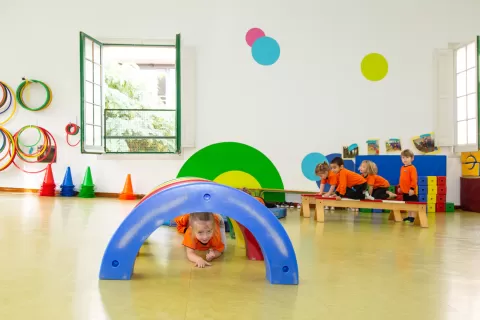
238,179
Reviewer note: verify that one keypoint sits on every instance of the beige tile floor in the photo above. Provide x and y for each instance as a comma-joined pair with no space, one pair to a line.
361,267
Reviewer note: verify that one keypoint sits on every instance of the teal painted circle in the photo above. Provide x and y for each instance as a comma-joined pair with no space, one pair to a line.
265,51
310,162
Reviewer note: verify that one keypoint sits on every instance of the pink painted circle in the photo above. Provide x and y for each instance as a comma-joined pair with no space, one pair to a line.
253,34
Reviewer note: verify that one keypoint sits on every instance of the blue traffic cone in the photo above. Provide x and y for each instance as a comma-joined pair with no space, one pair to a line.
67,185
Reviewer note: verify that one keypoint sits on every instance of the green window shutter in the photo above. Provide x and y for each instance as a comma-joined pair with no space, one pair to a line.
178,87
91,95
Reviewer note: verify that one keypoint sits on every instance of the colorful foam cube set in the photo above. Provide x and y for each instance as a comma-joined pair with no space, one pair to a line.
433,191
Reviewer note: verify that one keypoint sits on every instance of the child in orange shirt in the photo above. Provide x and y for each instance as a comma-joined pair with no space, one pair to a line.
408,181
349,184
202,232
377,185
328,176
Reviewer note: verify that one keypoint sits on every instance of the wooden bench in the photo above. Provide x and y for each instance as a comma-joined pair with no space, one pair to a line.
307,201
395,207
259,192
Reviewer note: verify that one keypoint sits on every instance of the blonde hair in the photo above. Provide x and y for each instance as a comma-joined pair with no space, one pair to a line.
371,167
201,216
407,153
322,168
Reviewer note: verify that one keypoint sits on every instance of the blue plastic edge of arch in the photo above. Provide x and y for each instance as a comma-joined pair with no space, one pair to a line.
279,255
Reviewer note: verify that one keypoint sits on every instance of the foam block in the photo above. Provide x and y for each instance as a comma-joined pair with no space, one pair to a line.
432,189
422,197
432,180
391,189
422,181
450,207
423,190
440,207
431,207
432,198
441,190
441,198
377,210
441,181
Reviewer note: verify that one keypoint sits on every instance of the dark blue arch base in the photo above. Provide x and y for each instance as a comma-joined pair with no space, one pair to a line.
120,254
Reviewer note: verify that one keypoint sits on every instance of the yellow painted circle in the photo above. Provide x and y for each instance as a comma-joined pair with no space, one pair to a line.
238,179
374,67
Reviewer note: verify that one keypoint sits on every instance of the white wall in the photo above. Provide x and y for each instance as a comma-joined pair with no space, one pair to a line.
314,99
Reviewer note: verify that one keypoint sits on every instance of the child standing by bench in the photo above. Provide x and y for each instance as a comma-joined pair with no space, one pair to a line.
408,181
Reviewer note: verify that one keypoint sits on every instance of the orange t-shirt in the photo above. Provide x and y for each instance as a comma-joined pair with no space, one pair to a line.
182,223
408,178
331,179
190,241
377,181
348,179
260,200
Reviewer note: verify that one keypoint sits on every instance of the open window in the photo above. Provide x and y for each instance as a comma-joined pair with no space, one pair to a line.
130,96
466,58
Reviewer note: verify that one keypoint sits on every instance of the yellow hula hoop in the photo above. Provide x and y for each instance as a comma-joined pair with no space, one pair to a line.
14,103
12,148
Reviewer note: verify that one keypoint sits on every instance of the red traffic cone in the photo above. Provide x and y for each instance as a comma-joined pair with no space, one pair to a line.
127,193
48,187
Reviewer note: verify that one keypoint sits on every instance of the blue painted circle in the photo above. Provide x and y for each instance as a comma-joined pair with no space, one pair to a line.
310,162
348,164
206,197
285,269
265,51
115,263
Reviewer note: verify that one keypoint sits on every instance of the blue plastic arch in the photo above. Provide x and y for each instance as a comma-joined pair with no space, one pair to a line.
279,255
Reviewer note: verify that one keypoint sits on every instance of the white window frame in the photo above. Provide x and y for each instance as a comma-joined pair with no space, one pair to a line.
468,146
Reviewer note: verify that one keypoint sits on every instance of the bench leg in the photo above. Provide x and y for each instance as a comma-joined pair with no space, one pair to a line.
319,211
395,215
422,217
305,211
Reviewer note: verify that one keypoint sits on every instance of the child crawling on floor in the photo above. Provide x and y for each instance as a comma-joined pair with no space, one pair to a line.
203,231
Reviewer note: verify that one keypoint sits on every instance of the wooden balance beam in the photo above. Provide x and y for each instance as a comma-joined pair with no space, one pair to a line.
259,192
395,207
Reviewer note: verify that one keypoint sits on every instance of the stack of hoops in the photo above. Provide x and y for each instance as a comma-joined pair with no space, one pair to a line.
46,148
8,104
11,146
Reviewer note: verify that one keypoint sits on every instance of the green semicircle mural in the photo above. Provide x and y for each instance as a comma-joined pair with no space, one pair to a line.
220,158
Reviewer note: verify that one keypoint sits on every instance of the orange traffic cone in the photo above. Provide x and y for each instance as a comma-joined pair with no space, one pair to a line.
127,193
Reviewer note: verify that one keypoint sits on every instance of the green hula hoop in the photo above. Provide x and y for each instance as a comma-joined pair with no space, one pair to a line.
25,128
22,87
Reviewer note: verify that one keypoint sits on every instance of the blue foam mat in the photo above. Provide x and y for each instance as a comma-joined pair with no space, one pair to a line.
389,165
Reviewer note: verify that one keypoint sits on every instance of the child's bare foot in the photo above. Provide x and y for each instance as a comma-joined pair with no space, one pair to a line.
391,195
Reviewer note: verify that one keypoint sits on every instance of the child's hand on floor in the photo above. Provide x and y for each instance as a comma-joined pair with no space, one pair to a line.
339,198
212,254
201,263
